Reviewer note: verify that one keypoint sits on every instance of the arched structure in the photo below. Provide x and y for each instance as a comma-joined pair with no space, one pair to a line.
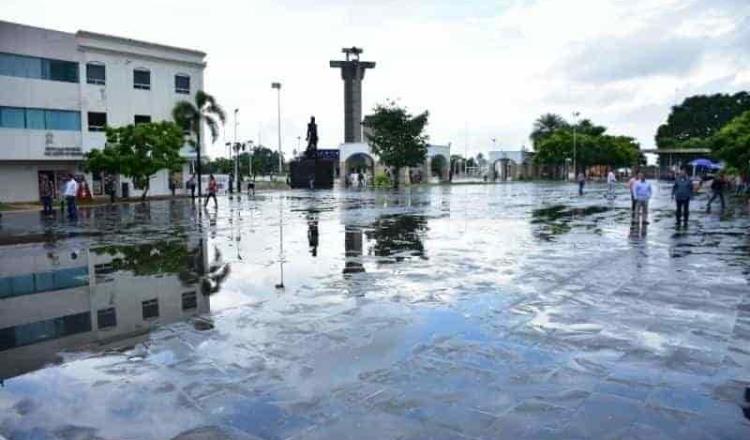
437,163
355,157
507,165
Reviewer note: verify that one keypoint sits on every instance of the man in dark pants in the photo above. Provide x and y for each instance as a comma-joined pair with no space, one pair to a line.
717,186
682,192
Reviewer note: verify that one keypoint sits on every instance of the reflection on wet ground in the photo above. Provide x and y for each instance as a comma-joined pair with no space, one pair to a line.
507,311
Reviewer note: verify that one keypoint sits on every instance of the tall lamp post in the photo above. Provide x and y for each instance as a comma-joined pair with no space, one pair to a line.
277,86
236,153
575,122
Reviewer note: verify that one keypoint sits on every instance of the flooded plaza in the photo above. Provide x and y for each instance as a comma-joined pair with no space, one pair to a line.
512,311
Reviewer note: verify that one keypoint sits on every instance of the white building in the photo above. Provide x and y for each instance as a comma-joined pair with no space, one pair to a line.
58,90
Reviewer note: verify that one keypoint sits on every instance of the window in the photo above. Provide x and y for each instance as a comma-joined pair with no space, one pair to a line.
96,74
97,121
106,318
142,119
39,119
12,117
141,79
23,66
182,84
150,308
189,301
34,332
62,120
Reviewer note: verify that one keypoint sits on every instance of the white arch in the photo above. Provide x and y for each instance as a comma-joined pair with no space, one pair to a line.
348,150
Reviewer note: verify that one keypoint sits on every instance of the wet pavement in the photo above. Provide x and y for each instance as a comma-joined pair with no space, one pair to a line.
517,311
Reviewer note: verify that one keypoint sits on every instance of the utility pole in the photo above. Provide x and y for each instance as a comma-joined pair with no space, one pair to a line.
236,148
575,123
277,86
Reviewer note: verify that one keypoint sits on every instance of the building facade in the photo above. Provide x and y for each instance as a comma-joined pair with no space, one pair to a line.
59,90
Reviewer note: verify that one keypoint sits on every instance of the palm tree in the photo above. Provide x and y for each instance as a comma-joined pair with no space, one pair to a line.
545,125
191,116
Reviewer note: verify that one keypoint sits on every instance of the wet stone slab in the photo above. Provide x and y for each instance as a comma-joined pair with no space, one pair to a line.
482,312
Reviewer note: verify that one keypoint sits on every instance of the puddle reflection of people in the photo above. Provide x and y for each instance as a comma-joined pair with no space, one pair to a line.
312,233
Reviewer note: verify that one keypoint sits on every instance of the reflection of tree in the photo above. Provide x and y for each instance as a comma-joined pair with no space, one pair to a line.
157,258
398,236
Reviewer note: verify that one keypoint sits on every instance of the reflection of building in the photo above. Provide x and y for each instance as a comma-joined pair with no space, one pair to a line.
353,237
52,300
59,91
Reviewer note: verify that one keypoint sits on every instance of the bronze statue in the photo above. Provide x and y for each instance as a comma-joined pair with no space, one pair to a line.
312,138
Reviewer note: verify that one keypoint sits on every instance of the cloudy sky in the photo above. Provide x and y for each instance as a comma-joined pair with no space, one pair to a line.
484,69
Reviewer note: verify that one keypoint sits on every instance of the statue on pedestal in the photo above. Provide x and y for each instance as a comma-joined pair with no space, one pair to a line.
312,139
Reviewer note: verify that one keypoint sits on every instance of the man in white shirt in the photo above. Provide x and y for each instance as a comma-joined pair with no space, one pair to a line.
611,180
642,194
70,190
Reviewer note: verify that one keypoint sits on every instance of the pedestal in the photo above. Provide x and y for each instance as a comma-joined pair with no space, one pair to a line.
311,173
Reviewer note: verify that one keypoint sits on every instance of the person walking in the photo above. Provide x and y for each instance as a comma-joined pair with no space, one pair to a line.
581,182
642,193
191,187
717,188
682,192
631,186
70,190
46,192
212,188
611,180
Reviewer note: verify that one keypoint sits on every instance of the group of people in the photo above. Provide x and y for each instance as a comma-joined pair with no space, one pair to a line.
357,179
69,193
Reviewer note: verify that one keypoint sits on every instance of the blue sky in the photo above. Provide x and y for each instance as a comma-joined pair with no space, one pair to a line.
483,69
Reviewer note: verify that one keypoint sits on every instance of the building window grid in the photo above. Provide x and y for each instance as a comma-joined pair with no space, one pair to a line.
106,318
182,84
97,121
189,300
96,74
24,66
40,119
150,308
142,79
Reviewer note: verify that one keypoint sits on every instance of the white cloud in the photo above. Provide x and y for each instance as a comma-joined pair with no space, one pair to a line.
491,66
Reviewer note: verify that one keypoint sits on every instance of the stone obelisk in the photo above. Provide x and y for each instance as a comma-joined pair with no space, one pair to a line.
352,72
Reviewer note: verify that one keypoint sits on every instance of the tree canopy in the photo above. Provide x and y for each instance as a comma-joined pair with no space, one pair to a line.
545,125
396,136
692,123
732,143
265,161
593,146
139,151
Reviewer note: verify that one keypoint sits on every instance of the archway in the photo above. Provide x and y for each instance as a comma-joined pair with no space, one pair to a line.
356,163
504,169
439,167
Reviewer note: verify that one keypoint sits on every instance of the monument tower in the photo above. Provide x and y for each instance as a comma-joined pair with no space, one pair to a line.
352,72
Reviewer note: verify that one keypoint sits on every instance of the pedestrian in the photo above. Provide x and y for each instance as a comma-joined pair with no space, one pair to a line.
212,188
642,193
631,186
611,180
69,192
172,185
231,183
191,187
360,179
46,192
109,188
717,188
581,182
682,192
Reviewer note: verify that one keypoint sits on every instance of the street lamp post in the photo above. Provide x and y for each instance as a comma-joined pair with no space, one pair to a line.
277,86
236,153
575,122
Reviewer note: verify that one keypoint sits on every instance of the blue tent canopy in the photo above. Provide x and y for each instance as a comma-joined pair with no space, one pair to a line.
704,163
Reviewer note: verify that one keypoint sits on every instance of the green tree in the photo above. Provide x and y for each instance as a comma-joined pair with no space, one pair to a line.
191,116
265,161
732,143
139,151
593,147
220,165
397,137
692,123
545,125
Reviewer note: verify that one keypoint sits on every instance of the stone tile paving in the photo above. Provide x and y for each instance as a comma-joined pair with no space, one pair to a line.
480,312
